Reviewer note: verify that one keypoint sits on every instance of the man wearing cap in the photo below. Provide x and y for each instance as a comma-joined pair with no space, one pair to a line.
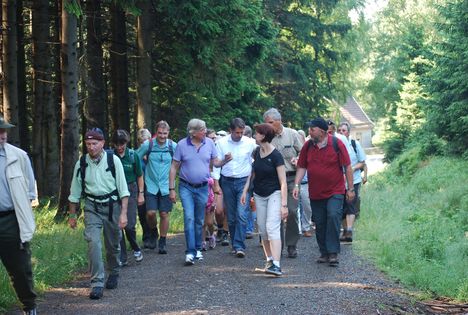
288,142
102,186
324,157
17,190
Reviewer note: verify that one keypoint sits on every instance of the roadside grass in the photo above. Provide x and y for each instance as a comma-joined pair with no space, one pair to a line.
59,252
414,224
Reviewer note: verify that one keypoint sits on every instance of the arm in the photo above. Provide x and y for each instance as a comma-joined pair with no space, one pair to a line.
349,180
141,190
172,174
123,212
72,214
246,188
220,163
281,170
300,172
364,174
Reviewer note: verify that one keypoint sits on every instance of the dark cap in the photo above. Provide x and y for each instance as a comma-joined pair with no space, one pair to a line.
330,122
4,124
94,134
319,122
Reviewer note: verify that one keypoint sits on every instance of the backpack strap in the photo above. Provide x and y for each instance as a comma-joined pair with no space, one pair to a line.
171,148
150,149
82,172
353,143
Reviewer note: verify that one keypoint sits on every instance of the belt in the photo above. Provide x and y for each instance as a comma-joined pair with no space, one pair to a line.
291,173
233,178
101,203
193,185
5,213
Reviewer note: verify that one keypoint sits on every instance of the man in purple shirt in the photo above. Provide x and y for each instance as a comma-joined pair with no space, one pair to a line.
193,156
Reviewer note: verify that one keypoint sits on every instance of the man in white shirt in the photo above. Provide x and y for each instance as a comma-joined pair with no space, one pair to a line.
233,177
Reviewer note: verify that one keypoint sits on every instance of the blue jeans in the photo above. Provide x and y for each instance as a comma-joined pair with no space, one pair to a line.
237,213
193,202
327,214
251,218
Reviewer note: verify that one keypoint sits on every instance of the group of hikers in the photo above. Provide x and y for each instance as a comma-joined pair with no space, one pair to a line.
289,184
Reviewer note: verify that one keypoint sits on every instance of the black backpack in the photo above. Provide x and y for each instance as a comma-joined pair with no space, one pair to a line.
110,168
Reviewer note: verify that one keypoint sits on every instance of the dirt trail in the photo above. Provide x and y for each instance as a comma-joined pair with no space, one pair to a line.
224,284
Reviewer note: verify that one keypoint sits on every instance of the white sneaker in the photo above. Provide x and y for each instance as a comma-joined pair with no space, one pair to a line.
138,255
189,260
199,255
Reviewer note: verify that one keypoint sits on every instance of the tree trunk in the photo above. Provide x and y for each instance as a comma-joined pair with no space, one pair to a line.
70,121
118,69
144,36
96,102
10,69
23,121
45,143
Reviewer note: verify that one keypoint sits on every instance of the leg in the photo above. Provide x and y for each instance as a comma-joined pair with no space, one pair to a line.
144,225
188,203
319,216
16,258
130,229
292,226
92,234
334,213
230,202
200,198
273,224
111,239
306,209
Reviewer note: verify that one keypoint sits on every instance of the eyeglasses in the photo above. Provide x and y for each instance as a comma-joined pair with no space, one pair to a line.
342,130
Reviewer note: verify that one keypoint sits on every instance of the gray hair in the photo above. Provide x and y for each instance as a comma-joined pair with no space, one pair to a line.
248,131
195,125
272,113
163,125
143,134
347,124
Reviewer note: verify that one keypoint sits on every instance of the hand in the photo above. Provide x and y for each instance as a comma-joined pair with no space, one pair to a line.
242,199
227,157
172,196
295,193
364,180
284,213
123,220
350,195
294,161
72,223
141,199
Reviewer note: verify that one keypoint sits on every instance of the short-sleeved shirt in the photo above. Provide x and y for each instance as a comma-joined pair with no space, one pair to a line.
266,179
324,168
289,144
356,156
158,165
131,164
195,163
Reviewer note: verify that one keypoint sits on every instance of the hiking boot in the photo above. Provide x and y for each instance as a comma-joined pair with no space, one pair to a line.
112,282
123,263
199,255
212,242
225,241
292,252
347,237
333,260
96,293
240,253
138,255
322,259
152,241
219,235
268,264
274,270
189,260
162,246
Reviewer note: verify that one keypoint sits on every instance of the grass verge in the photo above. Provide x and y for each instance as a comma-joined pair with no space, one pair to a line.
414,224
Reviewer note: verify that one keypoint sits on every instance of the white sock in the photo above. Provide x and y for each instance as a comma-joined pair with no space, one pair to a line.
270,258
276,262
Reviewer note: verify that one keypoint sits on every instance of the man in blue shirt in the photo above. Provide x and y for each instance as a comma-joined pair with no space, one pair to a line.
158,153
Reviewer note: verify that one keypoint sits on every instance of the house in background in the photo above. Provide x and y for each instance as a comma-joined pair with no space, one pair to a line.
361,125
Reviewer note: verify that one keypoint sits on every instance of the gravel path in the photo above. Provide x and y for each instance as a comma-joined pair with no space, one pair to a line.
224,284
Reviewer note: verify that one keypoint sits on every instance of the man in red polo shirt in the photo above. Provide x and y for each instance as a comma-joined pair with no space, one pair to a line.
324,157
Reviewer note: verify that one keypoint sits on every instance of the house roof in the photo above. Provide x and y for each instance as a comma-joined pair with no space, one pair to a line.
353,113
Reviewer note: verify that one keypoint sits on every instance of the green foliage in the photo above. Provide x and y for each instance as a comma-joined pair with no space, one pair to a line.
446,83
73,7
414,221
57,252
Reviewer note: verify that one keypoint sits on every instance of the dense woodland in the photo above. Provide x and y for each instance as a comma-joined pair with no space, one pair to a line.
70,65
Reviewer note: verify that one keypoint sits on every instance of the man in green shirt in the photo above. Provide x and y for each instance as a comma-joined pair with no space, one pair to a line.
102,186
134,177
